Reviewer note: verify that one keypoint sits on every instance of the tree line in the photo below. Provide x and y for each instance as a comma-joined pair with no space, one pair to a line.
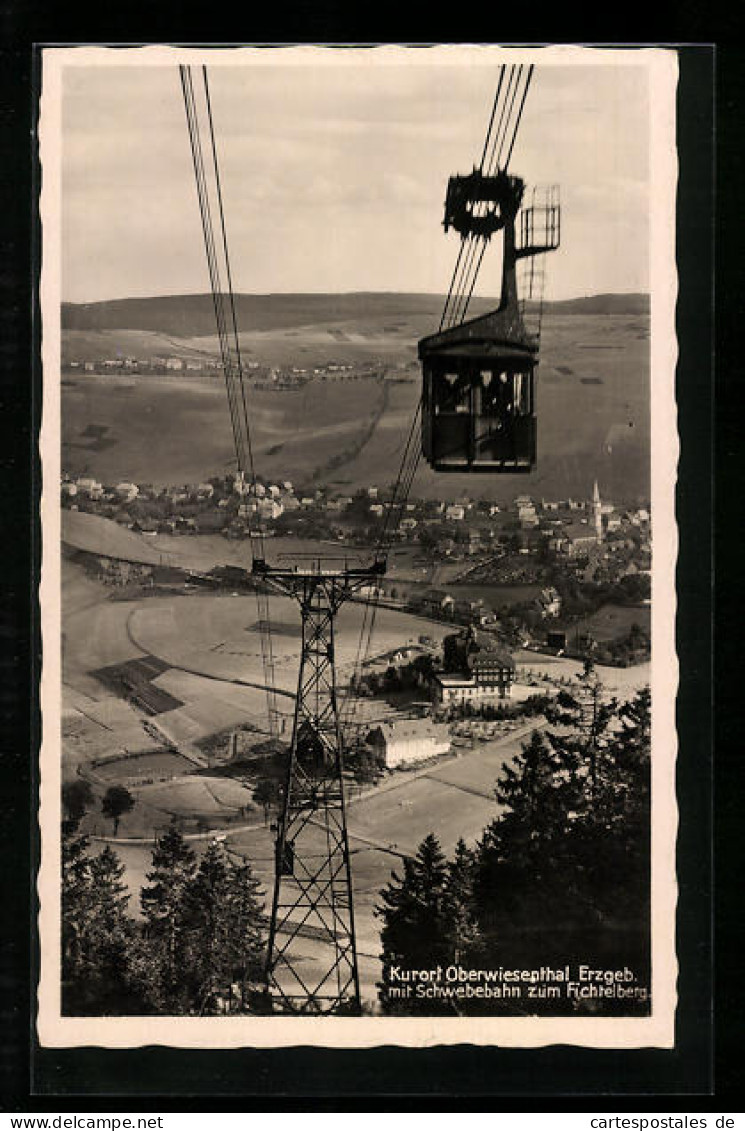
198,948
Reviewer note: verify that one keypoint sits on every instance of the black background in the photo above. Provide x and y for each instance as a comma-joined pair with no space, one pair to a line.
154,1078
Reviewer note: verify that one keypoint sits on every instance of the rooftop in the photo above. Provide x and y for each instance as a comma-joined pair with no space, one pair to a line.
411,728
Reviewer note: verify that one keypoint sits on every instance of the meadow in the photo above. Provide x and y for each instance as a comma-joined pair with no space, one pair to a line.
593,411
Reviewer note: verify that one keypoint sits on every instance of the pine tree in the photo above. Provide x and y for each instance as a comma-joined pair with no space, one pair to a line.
205,903
617,829
463,931
416,929
203,943
226,937
78,909
524,860
162,967
246,937
97,933
563,872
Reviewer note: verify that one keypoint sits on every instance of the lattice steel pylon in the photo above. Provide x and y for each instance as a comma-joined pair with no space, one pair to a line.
312,955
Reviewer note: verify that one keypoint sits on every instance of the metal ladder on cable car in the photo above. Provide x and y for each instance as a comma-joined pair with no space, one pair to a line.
539,230
531,283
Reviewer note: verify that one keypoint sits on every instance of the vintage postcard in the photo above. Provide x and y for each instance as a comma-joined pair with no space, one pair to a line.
359,453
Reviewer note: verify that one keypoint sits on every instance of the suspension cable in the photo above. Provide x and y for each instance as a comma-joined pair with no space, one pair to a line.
231,355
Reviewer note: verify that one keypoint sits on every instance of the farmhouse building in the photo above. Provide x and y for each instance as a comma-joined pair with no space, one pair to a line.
409,740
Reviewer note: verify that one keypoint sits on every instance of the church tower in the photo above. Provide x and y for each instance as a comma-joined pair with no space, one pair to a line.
597,512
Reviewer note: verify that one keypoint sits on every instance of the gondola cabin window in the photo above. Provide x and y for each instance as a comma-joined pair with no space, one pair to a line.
479,419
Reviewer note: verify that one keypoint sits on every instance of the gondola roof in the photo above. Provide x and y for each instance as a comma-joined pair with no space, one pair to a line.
499,333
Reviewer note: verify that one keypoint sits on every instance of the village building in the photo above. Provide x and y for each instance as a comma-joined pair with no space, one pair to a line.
549,602
469,610
84,483
270,508
436,603
455,513
90,487
408,741
481,671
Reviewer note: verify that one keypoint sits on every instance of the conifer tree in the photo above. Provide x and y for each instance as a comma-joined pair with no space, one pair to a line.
246,936
563,871
224,909
205,905
97,932
463,931
162,968
415,933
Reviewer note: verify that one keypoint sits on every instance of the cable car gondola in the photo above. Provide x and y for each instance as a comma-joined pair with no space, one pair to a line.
478,376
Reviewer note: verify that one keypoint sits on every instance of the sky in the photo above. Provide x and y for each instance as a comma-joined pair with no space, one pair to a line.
334,174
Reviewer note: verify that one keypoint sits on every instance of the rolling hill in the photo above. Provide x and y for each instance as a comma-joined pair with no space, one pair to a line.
189,316
593,398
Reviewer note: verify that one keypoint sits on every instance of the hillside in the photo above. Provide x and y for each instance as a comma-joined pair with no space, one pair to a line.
96,535
189,316
593,415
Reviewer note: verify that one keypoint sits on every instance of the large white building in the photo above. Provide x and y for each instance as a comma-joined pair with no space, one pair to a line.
409,740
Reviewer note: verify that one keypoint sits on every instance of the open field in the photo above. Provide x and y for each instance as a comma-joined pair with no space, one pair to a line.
622,682
217,635
169,431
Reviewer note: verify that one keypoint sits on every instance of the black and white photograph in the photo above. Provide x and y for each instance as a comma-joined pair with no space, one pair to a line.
358,599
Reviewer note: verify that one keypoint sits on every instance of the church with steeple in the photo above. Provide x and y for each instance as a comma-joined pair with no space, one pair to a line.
597,512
